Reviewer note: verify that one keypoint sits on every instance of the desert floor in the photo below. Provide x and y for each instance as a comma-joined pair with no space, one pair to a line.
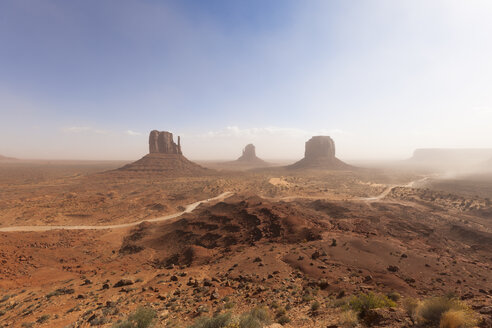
278,238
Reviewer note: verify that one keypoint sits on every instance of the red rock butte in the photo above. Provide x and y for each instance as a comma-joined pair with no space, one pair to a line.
249,156
320,154
165,158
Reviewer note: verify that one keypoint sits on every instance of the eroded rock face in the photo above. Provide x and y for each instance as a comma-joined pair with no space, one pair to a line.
319,146
320,154
162,142
249,153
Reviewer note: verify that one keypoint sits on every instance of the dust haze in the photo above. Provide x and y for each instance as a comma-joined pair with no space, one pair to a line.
249,164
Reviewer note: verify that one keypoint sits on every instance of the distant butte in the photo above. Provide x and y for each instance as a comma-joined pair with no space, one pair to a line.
249,156
165,158
5,158
320,154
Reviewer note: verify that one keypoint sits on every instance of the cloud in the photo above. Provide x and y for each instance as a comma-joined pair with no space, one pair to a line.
133,133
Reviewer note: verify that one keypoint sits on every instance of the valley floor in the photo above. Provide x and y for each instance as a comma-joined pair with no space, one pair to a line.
303,245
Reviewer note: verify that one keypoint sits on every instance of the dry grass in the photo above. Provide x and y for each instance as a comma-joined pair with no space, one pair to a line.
458,319
444,312
349,319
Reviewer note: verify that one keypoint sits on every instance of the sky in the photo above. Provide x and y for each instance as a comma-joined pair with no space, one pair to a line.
89,79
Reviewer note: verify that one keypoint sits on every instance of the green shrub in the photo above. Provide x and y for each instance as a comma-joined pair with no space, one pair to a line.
411,305
124,324
394,296
43,318
348,319
458,319
307,297
256,318
315,306
143,317
283,319
431,310
365,302
229,305
219,321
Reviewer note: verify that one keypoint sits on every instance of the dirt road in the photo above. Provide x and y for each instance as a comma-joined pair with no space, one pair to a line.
189,208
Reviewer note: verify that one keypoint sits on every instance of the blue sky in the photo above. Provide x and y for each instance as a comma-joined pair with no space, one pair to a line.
90,79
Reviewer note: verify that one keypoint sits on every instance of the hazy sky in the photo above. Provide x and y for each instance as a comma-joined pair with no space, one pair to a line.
86,79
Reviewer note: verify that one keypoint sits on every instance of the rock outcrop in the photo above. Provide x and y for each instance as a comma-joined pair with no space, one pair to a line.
249,156
247,161
320,147
320,154
162,142
165,158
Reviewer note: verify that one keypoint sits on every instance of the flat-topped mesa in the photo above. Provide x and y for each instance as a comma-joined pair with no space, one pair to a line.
319,146
163,142
165,158
249,153
320,154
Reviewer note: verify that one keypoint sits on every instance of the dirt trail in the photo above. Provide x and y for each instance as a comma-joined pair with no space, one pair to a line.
411,184
189,208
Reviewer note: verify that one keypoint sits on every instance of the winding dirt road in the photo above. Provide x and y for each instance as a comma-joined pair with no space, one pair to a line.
411,184
385,193
188,209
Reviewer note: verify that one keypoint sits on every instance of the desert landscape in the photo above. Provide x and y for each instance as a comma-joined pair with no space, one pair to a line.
88,244
245,164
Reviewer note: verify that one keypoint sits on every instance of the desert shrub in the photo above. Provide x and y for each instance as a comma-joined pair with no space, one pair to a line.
307,297
365,302
124,324
348,319
280,312
4,298
431,310
458,319
445,311
256,318
100,321
339,302
43,318
219,321
394,296
410,305
283,319
60,291
143,317
315,306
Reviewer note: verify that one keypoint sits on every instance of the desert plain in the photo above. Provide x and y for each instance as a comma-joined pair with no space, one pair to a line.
87,243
